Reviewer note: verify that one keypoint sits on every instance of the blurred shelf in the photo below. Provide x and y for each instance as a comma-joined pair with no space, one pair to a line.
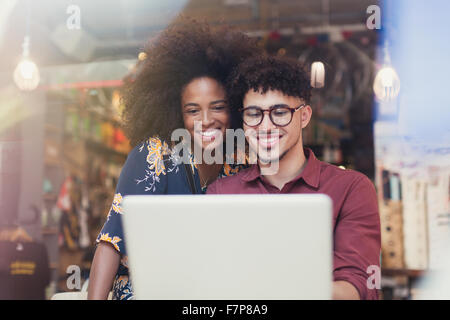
403,272
53,265
49,230
52,128
101,148
50,196
52,162
96,146
101,116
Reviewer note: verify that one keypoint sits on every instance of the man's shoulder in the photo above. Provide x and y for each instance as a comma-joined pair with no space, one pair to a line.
342,175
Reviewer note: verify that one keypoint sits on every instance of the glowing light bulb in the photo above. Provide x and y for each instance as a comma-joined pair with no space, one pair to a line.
142,56
317,75
387,84
26,75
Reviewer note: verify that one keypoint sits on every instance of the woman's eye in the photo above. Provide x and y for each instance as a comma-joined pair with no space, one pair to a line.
219,108
192,111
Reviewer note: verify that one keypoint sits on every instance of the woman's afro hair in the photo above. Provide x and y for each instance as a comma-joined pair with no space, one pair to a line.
186,50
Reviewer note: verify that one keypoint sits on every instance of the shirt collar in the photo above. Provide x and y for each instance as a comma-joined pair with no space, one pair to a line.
310,174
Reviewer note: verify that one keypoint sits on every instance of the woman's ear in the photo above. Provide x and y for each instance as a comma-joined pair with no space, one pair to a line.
306,114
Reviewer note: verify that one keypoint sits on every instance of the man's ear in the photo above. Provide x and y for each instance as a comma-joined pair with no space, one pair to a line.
306,114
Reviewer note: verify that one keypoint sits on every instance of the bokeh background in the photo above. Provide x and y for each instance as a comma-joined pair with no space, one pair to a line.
62,147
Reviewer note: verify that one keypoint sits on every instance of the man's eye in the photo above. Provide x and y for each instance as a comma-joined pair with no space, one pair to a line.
280,113
252,114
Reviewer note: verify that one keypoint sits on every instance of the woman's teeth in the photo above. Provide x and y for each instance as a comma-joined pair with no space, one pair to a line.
209,134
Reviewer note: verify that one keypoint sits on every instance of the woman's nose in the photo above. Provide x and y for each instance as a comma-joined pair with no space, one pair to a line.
207,119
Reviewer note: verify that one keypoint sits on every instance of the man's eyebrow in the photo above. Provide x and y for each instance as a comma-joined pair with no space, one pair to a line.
252,106
274,105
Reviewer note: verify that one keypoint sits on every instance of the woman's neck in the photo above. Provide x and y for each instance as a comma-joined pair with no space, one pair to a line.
208,172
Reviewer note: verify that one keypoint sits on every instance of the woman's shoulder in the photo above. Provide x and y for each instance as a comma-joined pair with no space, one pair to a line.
234,163
153,152
230,169
149,163
153,144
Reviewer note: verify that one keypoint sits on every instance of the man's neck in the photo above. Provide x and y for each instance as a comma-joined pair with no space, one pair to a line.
289,166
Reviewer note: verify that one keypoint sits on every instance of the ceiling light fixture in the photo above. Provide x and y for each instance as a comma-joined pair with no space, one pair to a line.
387,82
26,75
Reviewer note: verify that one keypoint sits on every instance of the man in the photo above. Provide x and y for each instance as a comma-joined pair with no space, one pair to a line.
273,96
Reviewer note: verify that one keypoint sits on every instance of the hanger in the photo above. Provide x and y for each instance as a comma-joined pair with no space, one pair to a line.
5,235
15,233
19,234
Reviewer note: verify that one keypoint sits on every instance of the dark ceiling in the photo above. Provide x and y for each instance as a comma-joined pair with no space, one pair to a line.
117,29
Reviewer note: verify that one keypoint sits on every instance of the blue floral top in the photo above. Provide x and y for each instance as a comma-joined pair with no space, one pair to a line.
150,168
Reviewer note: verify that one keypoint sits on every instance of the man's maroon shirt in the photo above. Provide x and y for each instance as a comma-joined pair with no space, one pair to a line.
356,222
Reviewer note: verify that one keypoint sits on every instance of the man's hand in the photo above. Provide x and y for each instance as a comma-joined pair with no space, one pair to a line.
343,290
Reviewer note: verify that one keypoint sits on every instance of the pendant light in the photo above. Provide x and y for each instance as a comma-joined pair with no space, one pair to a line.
26,74
317,74
317,67
387,82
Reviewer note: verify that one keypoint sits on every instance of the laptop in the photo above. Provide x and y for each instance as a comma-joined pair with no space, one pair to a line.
229,247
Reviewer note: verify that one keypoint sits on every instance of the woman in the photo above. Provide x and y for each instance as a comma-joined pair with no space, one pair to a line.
181,82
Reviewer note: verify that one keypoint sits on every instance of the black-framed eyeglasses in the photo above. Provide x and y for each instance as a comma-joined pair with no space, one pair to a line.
280,114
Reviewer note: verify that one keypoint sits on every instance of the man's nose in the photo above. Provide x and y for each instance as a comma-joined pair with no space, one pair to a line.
266,124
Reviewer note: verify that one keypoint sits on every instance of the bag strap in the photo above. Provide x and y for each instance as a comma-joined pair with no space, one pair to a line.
190,178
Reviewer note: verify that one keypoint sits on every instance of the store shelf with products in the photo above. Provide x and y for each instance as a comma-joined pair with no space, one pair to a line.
413,187
327,143
85,149
49,230
403,272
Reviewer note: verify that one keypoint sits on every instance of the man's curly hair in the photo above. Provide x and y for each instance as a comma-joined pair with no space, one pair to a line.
264,72
186,50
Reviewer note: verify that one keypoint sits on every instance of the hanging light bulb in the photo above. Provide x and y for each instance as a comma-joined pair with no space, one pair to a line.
387,82
317,75
26,74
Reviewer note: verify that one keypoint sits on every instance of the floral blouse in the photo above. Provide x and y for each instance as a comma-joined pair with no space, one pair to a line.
150,168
